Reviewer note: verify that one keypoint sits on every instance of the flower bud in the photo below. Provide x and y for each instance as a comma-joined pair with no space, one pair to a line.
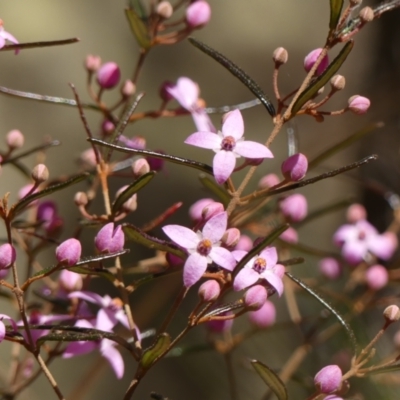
164,90
211,210
328,379
376,277
131,204
137,142
231,238
27,190
70,281
7,255
198,14
196,209
128,89
40,173
255,297
108,75
220,326
338,82
358,104
294,168
392,313
156,164
356,212
69,252
15,139
264,317
174,261
280,56
312,57
290,235
330,268
294,207
268,181
366,14
107,127
110,239
245,243
88,158
48,216
81,199
164,9
140,167
92,63
209,290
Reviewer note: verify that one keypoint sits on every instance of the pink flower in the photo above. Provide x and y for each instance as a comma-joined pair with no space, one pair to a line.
263,266
198,14
203,247
312,57
358,104
264,317
328,379
108,75
186,93
229,145
294,207
376,277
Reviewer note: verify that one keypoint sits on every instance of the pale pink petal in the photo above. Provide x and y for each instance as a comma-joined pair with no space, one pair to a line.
215,227
206,140
203,121
274,280
121,317
383,246
113,356
223,165
270,255
79,348
354,251
245,278
345,233
181,235
223,258
10,320
194,268
9,37
87,296
186,92
239,254
233,125
105,320
251,149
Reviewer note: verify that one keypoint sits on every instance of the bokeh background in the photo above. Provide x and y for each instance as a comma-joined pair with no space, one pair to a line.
247,32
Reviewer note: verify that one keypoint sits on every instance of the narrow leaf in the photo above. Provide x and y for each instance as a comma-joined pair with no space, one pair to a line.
22,204
340,319
238,73
336,9
216,189
323,79
33,150
271,379
139,29
34,45
131,190
160,346
386,369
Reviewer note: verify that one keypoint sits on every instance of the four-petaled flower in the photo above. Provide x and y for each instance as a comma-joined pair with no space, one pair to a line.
263,266
229,145
203,247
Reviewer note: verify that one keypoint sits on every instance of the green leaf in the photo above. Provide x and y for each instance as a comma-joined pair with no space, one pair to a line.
323,79
216,189
336,9
137,5
238,73
271,379
151,242
34,45
318,297
151,354
131,190
23,203
386,369
139,29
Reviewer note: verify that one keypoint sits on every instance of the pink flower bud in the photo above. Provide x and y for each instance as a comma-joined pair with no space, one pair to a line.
366,14
338,82
290,235
312,57
392,313
81,199
15,139
196,209
27,190
7,255
88,158
40,173
220,326
330,268
294,207
140,167
110,239
107,127
164,90
358,104
174,261
295,167
137,142
108,75
128,89
356,212
280,56
164,9
212,209
70,281
92,63
328,379
264,317
376,277
245,243
48,216
268,181
131,204
209,290
198,14
69,252
156,164
231,238
255,297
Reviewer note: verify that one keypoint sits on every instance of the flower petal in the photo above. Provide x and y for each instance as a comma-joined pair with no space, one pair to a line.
203,121
113,356
78,348
274,280
270,255
223,258
181,235
105,320
87,296
251,149
245,278
185,92
233,125
206,140
354,251
223,165
194,268
215,227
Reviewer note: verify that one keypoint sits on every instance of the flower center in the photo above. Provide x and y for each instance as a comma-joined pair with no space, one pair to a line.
204,247
228,143
259,265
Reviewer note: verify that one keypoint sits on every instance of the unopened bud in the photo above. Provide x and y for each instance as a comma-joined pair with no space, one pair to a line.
163,91
129,205
164,9
268,181
211,210
294,168
108,75
92,63
280,56
330,268
110,239
255,297
263,317
140,167
312,57
338,82
107,127
69,252
209,290
40,173
231,238
290,235
81,199
366,14
7,255
196,209
70,281
15,139
198,14
328,379
358,104
294,207
376,277
392,313
128,89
